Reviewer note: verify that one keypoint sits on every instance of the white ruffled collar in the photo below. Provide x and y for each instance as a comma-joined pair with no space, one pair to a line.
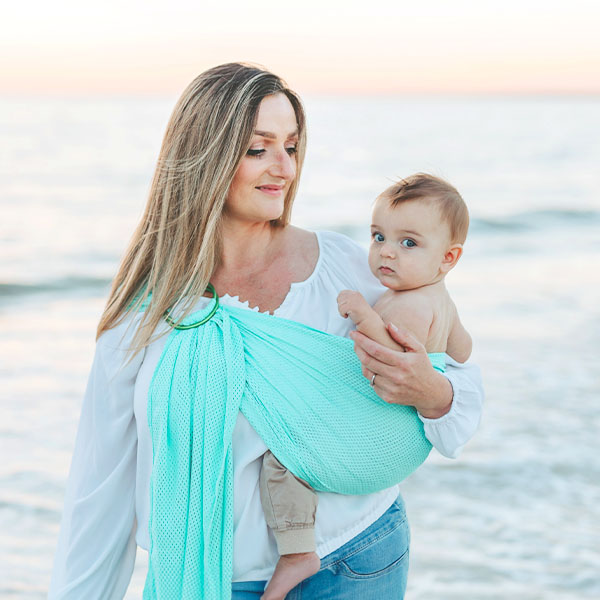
295,287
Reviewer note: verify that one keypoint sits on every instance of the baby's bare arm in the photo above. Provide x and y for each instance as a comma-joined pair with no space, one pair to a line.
368,322
411,310
460,343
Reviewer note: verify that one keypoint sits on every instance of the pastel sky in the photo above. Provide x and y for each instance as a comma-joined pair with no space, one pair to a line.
337,46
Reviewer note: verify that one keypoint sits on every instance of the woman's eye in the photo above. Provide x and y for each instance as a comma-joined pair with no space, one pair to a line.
408,243
291,150
255,152
378,237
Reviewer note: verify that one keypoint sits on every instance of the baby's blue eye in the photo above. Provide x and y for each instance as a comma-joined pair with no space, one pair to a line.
408,243
378,237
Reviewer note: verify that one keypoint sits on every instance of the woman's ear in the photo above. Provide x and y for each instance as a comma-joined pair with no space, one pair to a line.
451,257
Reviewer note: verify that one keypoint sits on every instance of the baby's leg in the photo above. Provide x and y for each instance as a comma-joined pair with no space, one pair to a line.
289,505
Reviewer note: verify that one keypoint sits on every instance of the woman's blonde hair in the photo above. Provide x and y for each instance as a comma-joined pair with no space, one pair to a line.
177,244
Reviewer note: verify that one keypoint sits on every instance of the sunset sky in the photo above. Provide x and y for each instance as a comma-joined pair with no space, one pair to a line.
339,46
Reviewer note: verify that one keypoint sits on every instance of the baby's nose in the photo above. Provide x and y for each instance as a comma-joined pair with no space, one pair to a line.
387,250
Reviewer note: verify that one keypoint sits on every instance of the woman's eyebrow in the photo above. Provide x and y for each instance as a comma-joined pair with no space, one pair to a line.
272,136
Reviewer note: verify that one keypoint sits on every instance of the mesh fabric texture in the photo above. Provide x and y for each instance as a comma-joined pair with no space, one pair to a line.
302,390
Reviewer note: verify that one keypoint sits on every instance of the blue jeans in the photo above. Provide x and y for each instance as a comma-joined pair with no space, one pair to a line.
371,566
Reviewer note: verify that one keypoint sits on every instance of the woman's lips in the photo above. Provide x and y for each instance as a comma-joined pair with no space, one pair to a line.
272,190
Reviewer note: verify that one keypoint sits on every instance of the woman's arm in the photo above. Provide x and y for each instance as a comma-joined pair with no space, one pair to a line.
449,405
450,433
96,547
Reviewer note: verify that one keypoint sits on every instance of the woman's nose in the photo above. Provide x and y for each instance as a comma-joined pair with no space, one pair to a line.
284,165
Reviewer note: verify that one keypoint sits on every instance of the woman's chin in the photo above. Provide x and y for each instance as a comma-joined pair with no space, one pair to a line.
273,215
256,217
271,212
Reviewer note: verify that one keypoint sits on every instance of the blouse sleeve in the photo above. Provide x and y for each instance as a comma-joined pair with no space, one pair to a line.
96,546
449,433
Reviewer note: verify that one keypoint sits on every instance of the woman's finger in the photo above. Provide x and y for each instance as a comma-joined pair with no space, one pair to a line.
369,347
385,389
371,365
405,338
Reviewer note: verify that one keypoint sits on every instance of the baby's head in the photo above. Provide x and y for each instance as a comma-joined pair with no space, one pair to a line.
418,231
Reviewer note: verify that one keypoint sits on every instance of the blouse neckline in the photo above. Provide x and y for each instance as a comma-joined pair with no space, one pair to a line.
294,286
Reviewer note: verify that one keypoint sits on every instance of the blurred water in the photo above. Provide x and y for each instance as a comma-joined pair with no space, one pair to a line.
518,514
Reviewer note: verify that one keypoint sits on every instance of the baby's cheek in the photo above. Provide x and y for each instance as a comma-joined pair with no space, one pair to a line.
373,261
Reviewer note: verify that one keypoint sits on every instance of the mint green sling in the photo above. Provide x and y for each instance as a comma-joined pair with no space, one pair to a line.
301,389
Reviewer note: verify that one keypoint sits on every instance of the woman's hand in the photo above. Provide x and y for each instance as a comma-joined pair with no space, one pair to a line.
404,377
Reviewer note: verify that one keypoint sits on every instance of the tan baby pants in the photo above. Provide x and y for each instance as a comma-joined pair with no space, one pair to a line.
289,504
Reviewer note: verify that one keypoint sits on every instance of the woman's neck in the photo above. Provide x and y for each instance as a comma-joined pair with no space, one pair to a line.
249,247
259,264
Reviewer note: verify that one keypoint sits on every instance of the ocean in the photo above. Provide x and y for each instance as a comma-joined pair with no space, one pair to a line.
518,514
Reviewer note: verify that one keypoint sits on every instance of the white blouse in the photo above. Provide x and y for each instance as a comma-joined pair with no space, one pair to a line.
106,509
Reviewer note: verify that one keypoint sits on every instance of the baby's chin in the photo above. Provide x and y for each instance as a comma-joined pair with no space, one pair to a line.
390,282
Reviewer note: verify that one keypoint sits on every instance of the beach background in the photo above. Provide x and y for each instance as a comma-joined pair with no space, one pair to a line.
518,514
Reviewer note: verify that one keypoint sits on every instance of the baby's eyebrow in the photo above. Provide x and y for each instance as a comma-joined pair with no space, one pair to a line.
400,231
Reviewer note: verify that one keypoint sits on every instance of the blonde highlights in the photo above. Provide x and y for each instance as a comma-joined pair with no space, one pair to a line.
177,244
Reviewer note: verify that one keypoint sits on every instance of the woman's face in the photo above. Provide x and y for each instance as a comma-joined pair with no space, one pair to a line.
259,188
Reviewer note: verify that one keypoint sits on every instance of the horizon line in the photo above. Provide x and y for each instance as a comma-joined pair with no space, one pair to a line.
516,93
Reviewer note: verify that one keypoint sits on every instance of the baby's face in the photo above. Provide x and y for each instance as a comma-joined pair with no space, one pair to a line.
408,244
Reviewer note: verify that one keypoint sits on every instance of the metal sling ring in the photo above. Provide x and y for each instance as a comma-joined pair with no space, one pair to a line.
209,288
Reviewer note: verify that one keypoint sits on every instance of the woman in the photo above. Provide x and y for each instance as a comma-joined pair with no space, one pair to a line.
218,212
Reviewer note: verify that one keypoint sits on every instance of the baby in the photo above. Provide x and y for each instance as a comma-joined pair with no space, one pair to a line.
419,227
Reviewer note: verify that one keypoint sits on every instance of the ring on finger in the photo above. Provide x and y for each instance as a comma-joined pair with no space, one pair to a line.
373,379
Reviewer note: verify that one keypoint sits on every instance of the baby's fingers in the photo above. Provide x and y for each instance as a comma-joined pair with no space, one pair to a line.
342,301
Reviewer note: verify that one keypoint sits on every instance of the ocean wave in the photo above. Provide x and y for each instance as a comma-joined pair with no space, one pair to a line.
63,284
536,219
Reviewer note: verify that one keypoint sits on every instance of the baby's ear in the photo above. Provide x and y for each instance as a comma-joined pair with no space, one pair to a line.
453,253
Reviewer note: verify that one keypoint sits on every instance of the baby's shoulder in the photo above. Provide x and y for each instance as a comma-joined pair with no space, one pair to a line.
407,304
419,296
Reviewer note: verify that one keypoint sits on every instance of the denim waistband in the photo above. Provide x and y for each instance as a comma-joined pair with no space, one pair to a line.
390,520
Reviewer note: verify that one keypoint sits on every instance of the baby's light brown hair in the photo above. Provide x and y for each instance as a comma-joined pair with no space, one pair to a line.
422,186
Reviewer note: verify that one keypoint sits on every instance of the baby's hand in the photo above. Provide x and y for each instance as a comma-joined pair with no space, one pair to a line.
350,302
